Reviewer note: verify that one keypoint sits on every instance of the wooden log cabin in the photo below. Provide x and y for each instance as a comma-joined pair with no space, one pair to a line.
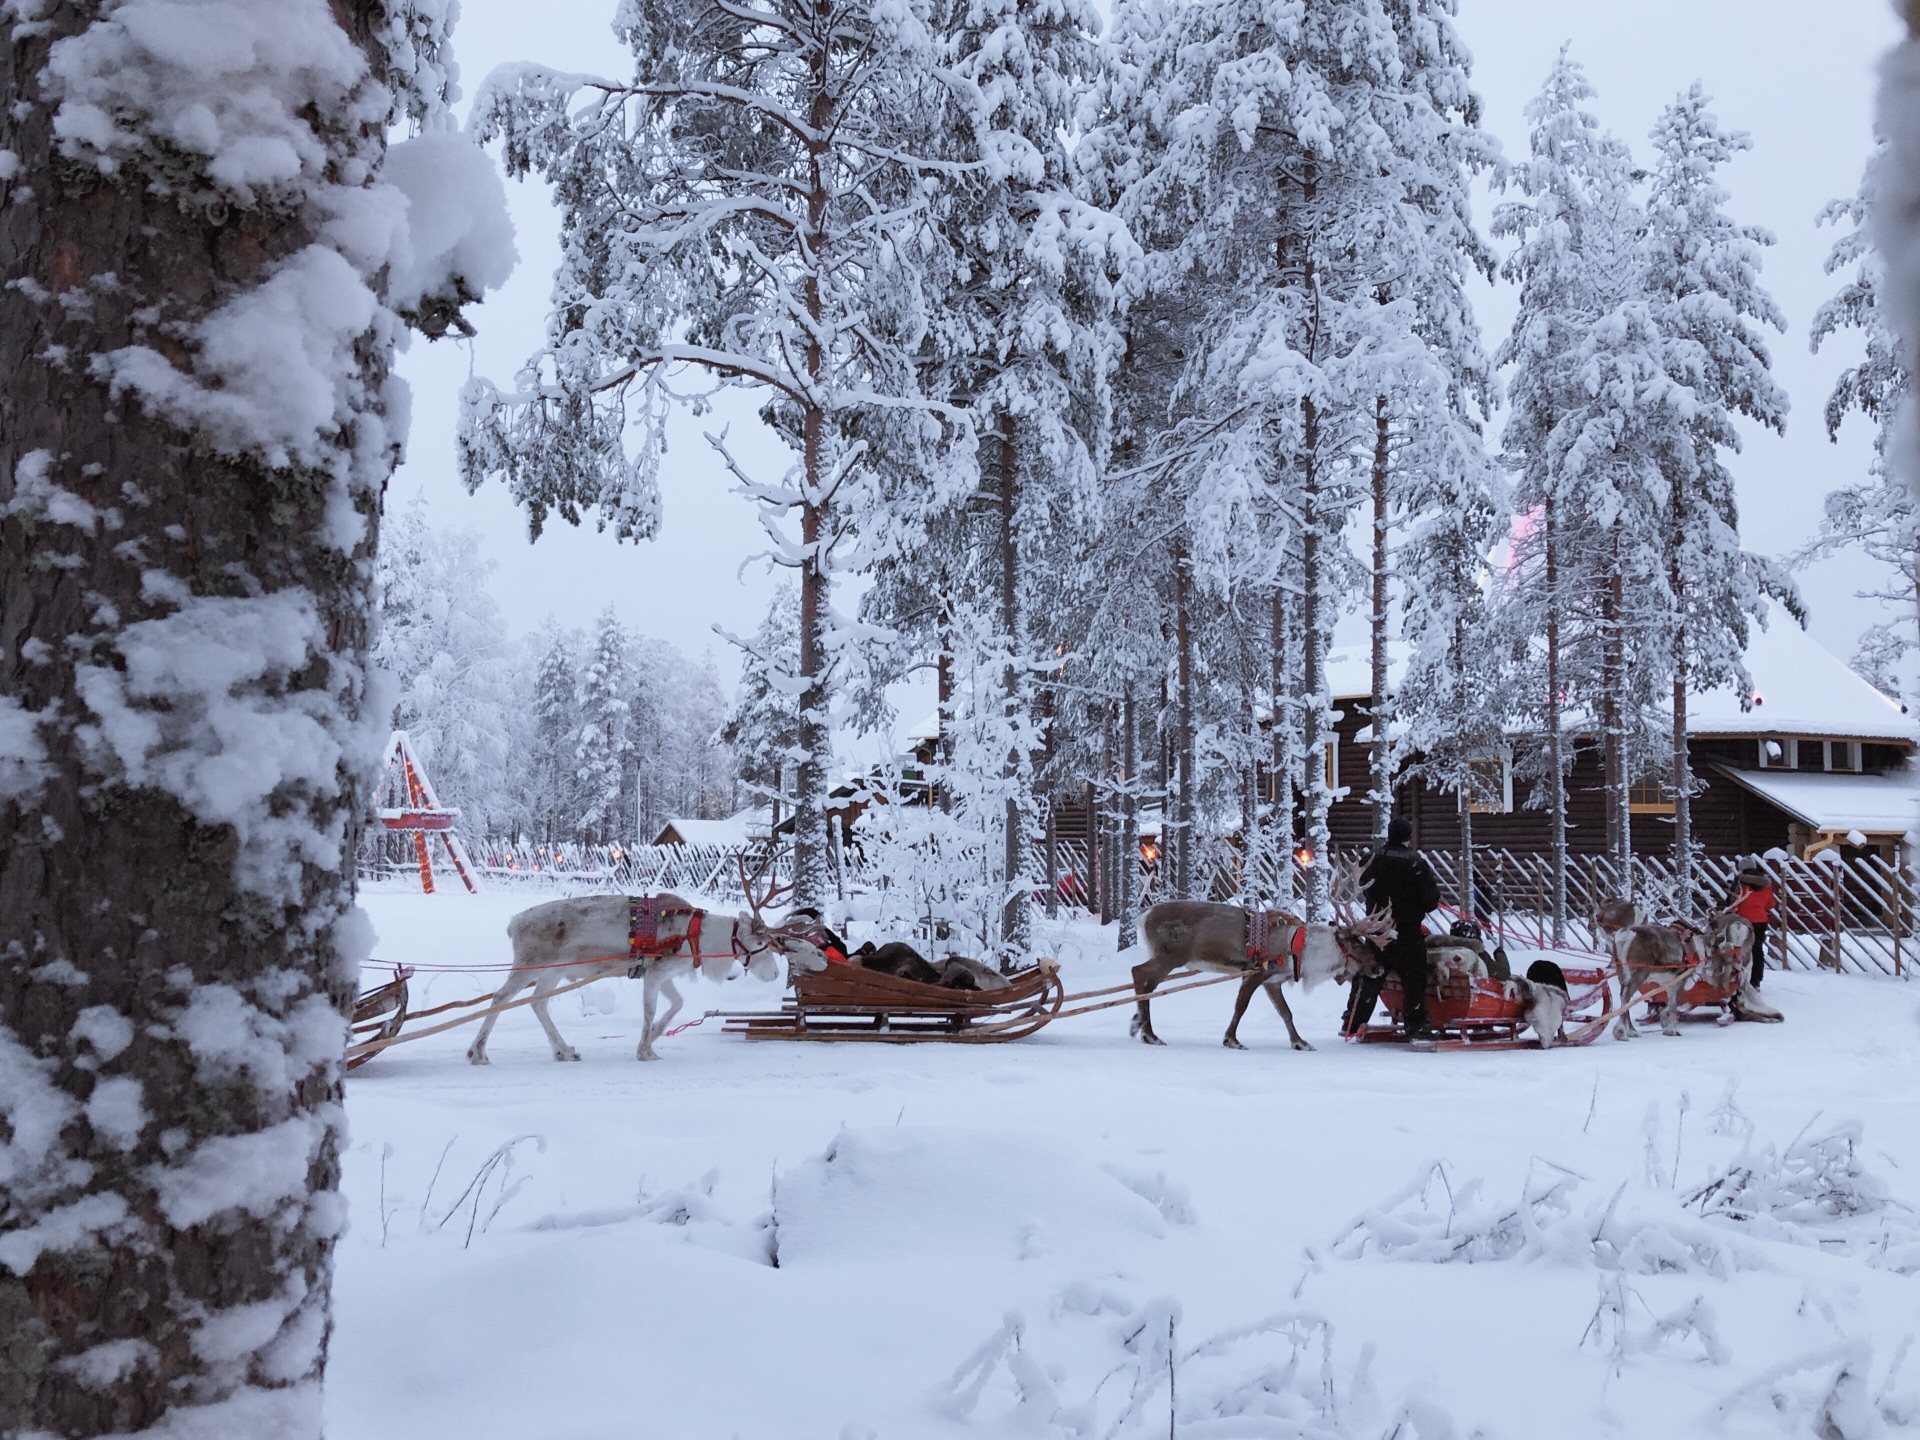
1817,756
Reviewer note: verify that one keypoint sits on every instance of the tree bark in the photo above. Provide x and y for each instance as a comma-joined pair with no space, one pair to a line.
1126,900
1312,668
1284,760
1015,918
1556,758
1183,837
168,1197
1380,755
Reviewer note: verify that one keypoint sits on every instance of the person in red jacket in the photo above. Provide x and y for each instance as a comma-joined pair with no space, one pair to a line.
1755,902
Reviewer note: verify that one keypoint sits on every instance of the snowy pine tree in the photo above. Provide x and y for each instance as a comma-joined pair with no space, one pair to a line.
749,211
1878,515
603,749
1703,277
441,637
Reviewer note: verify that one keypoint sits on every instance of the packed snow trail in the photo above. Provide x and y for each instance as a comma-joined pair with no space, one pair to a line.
1709,1235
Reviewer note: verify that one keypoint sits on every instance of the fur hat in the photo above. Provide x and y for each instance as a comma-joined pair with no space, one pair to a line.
1399,831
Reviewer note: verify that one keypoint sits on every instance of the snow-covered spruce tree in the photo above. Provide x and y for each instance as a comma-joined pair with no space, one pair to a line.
1429,460
1592,406
441,636
1023,337
208,244
763,728
677,765
1273,162
1895,217
1703,280
603,750
1879,515
750,210
547,770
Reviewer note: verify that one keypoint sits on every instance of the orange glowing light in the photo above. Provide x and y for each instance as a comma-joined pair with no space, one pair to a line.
1303,855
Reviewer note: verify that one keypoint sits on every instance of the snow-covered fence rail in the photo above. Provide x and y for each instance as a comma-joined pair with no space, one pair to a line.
1858,913
1836,913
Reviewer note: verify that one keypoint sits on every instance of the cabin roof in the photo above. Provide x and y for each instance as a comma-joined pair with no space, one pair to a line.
1872,804
1799,688
742,828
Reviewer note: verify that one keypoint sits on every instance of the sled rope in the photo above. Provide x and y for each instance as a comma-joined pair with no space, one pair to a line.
372,1047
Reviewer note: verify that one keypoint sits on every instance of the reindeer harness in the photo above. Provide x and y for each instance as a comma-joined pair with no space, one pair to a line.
644,940
1261,928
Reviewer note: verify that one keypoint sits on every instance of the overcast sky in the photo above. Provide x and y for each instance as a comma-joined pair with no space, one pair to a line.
1798,76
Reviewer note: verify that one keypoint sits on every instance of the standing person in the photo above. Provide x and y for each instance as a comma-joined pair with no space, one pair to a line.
1398,879
1755,902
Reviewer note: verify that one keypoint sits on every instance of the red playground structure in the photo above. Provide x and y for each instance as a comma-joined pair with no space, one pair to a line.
405,801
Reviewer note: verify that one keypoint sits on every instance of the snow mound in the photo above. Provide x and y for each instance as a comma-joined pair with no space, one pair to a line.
989,1197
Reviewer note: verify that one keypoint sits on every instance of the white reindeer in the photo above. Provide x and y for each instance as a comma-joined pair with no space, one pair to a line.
586,937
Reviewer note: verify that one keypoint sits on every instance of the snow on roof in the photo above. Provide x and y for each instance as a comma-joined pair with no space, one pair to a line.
927,729
1872,804
738,829
1799,688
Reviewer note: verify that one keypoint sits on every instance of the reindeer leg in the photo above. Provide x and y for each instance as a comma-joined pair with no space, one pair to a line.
1624,1028
515,983
1275,993
1670,1009
1240,999
655,1031
1147,976
649,997
541,989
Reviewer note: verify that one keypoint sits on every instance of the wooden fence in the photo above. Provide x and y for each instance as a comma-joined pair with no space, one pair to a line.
1858,914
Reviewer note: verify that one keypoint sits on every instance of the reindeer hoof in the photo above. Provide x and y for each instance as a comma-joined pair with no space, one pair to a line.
1133,1028
1232,1044
477,1056
645,1054
1624,1031
1301,1045
1149,1038
567,1054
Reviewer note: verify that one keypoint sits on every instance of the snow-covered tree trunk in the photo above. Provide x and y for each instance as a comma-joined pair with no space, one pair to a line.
1181,833
1283,761
196,426
1312,667
1126,903
1016,918
1556,778
1380,756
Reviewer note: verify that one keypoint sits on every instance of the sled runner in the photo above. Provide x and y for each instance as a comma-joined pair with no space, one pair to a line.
1476,1013
845,1002
379,1014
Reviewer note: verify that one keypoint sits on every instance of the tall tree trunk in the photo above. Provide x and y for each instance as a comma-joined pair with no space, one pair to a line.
1284,759
1381,755
1106,826
1183,836
184,627
1469,901
1015,919
1682,777
1556,758
1619,761
943,706
1126,899
1312,669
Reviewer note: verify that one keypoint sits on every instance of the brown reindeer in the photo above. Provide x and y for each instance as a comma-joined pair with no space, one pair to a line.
1204,936
1668,957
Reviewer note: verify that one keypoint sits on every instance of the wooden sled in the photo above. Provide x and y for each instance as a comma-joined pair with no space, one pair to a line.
1478,1014
378,1015
845,1002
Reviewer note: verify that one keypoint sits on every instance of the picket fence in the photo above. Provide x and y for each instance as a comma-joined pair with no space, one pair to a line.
1853,914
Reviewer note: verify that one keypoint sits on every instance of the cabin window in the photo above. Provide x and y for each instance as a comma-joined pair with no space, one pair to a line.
1649,797
1778,752
1491,783
1330,757
1843,756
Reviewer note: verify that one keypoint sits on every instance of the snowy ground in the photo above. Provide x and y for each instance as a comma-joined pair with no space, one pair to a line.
1037,1238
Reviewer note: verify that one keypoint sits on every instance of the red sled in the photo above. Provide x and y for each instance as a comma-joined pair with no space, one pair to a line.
1475,1013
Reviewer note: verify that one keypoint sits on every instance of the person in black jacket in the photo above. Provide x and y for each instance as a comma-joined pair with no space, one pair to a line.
1398,879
